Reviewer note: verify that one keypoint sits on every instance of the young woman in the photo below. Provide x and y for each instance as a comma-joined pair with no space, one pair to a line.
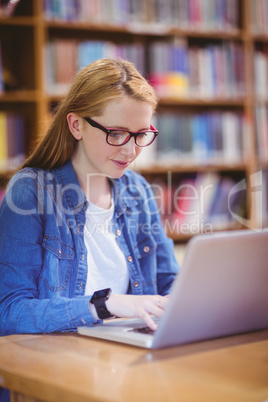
75,221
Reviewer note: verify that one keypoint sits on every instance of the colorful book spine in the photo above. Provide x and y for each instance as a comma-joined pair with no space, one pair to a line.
1,72
261,121
8,7
259,16
264,217
2,194
12,151
3,140
261,71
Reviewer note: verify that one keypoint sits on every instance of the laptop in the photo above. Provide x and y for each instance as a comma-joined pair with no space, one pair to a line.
220,291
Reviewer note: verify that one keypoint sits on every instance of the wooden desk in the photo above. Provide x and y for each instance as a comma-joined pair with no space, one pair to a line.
72,368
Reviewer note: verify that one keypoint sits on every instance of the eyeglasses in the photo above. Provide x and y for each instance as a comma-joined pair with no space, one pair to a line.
116,137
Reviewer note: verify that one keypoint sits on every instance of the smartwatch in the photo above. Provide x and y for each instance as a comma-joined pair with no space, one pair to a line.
98,299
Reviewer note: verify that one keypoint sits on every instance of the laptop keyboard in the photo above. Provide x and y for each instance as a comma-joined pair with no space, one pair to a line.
146,330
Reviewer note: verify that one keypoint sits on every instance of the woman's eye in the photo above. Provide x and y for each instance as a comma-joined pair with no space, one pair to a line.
117,134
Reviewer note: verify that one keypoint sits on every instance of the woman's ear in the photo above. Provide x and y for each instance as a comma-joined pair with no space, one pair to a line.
74,125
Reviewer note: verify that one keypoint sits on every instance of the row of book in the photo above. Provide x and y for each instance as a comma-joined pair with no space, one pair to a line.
2,87
261,121
261,71
63,58
203,202
215,70
12,140
264,204
174,68
259,16
185,138
144,14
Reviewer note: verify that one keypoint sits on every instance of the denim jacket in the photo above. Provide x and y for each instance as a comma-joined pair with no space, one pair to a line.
43,257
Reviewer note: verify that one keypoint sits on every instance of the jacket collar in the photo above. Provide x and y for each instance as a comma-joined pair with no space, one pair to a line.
72,193
74,197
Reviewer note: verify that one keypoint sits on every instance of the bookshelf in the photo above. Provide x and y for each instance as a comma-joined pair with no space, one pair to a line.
232,44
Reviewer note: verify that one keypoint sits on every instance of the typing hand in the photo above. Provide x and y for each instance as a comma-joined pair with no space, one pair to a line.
137,306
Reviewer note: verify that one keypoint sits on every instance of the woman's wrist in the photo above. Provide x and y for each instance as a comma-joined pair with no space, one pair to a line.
93,311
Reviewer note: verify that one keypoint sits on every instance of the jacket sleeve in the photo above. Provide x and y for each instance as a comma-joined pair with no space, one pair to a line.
21,234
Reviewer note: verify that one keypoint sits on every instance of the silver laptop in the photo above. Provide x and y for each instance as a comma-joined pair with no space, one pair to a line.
222,289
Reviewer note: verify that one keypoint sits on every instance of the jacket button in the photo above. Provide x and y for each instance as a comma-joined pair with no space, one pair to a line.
59,251
129,258
118,232
136,284
146,249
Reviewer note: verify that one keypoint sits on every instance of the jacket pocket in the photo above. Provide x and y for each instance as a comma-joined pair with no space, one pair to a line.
57,263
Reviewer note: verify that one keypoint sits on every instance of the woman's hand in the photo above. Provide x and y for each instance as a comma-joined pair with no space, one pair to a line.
137,306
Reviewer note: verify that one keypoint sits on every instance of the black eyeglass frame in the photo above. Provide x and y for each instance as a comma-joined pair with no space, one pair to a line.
107,131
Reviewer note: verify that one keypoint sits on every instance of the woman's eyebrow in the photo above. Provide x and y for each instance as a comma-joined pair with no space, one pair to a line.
126,129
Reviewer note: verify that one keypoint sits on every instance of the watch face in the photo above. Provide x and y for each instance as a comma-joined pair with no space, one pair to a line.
103,293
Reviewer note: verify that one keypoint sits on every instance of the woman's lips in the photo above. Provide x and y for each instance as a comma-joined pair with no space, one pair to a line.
120,164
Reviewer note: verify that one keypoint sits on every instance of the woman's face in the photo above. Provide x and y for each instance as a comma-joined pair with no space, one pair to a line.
94,155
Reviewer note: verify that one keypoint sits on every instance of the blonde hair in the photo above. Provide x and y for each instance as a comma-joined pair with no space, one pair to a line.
93,88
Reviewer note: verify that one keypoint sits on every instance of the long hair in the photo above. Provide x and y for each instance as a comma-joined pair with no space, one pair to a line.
93,88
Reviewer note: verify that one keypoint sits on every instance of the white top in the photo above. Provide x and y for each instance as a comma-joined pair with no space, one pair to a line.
107,267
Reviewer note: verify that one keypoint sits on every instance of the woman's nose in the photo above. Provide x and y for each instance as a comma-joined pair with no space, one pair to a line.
129,148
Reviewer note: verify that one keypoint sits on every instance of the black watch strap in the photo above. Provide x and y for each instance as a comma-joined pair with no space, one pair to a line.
102,309
98,299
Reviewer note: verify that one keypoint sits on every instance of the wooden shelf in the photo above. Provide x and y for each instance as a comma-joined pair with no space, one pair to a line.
144,29
231,102
18,21
19,96
210,102
155,169
262,37
235,34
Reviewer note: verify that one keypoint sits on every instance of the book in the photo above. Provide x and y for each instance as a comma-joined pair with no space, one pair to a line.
8,7
12,142
264,198
3,141
261,122
219,213
1,72
231,144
